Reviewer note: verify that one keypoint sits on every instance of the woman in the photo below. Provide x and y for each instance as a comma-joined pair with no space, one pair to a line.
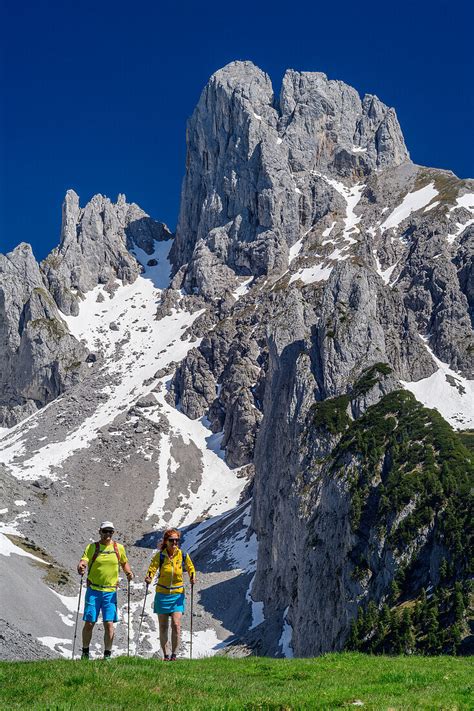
170,562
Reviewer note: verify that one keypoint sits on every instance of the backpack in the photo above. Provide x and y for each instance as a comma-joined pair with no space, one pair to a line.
94,558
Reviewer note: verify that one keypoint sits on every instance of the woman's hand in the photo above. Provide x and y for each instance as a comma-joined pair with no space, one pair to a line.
192,579
148,579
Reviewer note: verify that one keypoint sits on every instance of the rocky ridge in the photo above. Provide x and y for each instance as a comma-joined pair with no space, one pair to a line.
317,272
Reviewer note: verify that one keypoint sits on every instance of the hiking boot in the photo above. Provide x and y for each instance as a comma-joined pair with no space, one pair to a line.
173,658
85,654
166,658
107,656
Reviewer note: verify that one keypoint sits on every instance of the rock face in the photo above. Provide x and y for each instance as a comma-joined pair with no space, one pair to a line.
94,247
38,356
243,205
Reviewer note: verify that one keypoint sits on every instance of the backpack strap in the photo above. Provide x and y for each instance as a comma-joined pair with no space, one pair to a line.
162,560
94,558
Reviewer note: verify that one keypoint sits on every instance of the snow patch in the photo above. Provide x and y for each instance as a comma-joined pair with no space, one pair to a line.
286,637
446,391
459,230
412,202
466,201
243,288
295,249
311,274
58,645
386,274
7,548
220,487
352,196
329,229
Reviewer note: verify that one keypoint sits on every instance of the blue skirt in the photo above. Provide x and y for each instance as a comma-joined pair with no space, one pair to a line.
166,604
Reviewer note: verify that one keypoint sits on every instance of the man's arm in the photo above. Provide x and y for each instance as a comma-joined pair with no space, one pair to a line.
84,562
125,564
127,570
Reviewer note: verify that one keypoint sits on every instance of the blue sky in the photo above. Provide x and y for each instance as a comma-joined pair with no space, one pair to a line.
95,95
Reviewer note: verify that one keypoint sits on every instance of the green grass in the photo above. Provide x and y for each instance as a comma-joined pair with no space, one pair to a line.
330,682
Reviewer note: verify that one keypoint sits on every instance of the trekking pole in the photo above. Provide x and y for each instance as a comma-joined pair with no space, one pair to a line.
192,604
128,625
77,617
141,620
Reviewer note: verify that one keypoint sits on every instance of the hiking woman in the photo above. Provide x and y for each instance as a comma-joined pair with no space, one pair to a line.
170,562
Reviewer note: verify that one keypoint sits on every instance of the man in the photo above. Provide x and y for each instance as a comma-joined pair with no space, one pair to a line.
103,559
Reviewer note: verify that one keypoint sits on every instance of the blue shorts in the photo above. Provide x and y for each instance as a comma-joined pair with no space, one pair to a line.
97,600
166,604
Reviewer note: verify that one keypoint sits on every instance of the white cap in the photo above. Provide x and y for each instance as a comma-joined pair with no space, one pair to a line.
107,524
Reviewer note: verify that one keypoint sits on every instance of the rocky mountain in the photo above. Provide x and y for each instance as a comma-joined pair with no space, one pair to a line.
289,379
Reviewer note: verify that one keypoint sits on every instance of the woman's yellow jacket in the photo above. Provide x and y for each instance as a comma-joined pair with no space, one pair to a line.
170,581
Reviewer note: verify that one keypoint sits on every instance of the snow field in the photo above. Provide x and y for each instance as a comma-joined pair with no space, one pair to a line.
446,391
220,488
412,202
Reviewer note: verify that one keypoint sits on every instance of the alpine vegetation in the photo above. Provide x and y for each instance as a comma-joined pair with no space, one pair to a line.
288,380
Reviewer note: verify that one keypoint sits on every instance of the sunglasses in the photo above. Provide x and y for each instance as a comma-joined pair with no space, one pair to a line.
172,540
107,531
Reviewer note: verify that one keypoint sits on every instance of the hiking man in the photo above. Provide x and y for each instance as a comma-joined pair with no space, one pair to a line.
170,562
103,560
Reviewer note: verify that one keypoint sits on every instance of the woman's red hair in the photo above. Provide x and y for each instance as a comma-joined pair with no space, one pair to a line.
169,533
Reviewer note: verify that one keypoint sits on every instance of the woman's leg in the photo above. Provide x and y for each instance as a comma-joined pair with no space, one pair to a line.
175,631
163,622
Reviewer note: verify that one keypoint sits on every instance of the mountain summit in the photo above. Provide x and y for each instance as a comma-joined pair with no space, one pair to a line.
289,379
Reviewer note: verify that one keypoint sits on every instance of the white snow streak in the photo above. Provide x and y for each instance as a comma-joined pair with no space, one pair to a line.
410,203
311,274
220,487
352,197
243,288
286,636
467,202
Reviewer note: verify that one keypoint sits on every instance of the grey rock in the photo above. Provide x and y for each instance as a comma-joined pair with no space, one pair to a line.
242,203
39,358
95,247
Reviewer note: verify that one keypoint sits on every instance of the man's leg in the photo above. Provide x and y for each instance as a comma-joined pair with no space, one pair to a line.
175,631
109,632
109,616
91,612
163,622
87,634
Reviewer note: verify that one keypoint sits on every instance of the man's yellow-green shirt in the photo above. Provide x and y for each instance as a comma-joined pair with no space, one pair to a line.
105,571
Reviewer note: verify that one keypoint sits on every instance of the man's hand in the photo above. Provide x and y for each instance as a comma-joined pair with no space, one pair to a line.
129,575
81,567
148,579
